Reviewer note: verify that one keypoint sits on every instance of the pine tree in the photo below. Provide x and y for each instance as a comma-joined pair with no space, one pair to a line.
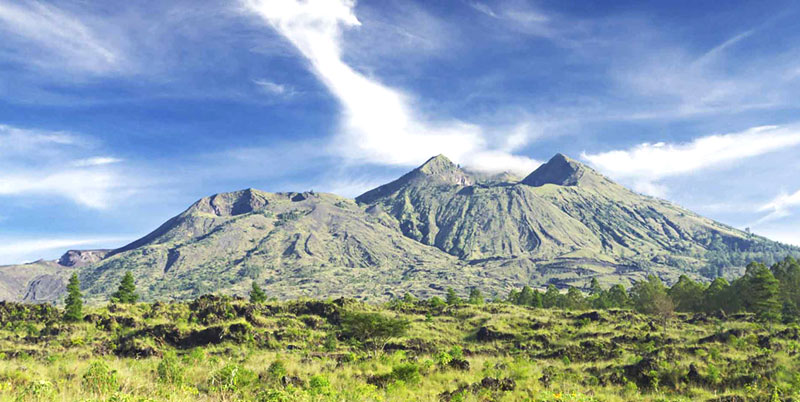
452,298
762,293
594,287
257,294
687,294
74,303
475,296
716,296
127,290
553,298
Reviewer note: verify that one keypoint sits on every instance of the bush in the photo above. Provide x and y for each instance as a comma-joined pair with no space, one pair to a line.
408,373
319,385
100,379
374,327
169,370
277,370
232,378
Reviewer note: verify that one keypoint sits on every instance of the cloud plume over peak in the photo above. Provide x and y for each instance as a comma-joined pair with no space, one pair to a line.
379,124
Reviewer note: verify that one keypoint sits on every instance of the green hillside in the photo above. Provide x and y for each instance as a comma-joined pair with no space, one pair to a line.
435,227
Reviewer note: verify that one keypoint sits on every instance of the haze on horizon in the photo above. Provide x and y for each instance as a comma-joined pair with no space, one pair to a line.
115,117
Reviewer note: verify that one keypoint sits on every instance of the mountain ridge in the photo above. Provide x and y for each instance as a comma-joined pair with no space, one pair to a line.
435,227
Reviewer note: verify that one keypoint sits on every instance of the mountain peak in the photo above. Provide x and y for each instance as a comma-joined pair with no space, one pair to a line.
437,165
560,170
438,169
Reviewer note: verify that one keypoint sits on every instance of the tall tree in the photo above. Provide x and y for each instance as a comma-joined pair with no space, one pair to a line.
552,298
686,294
257,294
73,310
617,297
127,290
761,292
574,299
650,297
717,296
594,287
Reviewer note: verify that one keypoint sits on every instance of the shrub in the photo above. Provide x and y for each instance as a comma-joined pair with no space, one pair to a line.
443,358
330,343
374,327
319,385
169,370
232,378
277,370
100,379
408,373
457,352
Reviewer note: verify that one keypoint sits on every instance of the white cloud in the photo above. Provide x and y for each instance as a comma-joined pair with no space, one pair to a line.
58,38
780,206
43,163
379,124
96,161
644,164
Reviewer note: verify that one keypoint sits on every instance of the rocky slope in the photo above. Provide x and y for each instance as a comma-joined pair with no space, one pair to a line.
437,226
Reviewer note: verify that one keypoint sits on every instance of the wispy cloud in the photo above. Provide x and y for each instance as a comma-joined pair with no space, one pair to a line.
644,164
61,39
379,123
780,206
96,161
42,163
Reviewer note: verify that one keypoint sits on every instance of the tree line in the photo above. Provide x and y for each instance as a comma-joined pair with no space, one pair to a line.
771,293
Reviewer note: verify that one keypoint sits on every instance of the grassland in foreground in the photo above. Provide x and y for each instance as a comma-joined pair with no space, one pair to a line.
223,349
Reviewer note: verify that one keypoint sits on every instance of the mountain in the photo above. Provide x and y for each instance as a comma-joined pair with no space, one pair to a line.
437,226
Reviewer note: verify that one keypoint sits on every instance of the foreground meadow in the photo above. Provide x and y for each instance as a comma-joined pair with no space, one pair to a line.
225,349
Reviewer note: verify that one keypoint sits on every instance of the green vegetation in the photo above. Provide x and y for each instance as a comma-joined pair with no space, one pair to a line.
771,294
564,225
127,290
257,294
74,304
225,349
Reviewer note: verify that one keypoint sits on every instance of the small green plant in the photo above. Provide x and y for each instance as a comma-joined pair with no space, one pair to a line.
407,372
330,342
277,370
319,385
257,294
100,379
170,370
443,358
232,378
39,390
457,352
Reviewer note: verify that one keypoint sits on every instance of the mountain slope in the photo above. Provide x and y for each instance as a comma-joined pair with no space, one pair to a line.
438,226
563,221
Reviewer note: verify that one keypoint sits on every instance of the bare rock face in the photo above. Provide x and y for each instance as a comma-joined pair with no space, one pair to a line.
45,288
80,258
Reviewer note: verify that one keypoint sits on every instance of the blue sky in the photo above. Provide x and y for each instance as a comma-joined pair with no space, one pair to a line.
115,116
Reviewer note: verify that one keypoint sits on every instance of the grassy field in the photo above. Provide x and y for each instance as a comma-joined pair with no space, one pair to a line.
222,349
